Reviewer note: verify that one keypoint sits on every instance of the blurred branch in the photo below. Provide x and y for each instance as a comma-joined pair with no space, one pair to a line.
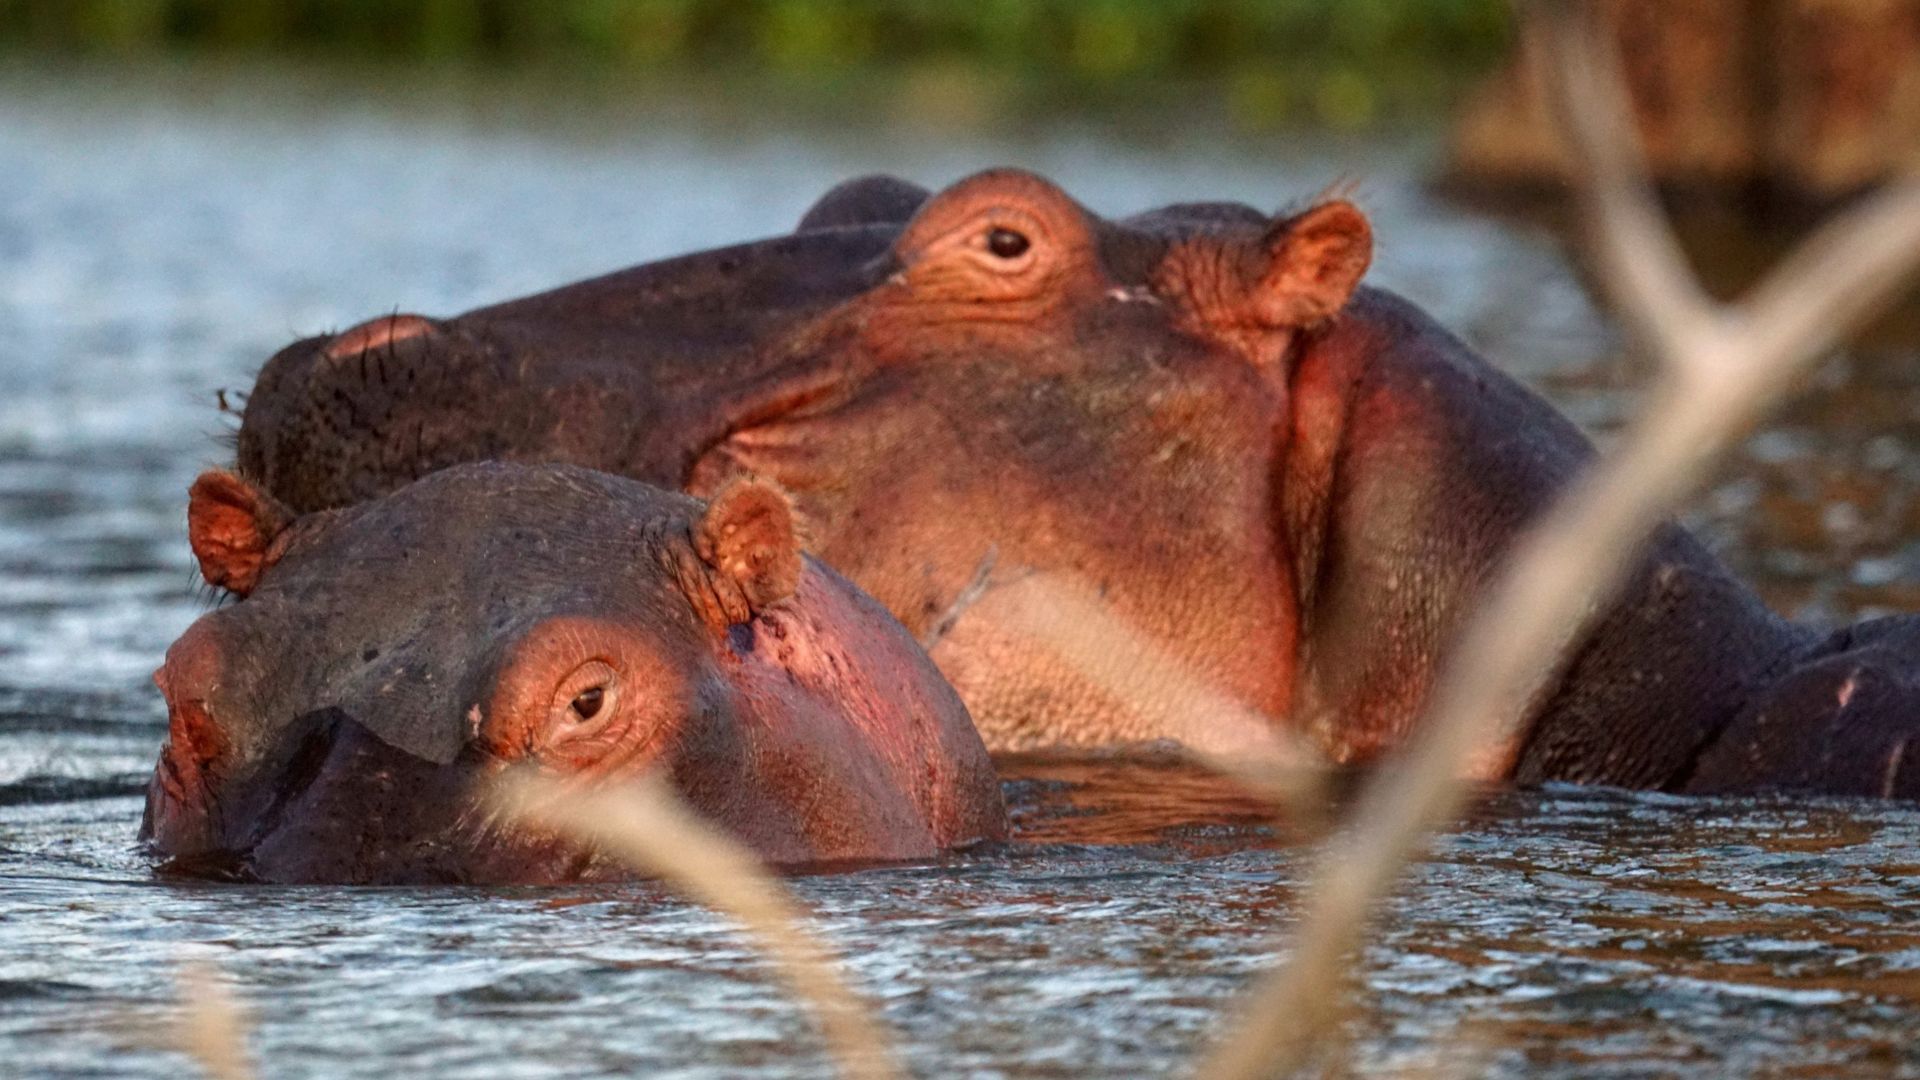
1140,679
206,1024
1641,263
1722,366
647,827
213,1028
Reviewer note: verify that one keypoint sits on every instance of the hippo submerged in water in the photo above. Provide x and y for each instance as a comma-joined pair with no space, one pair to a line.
339,723
1290,486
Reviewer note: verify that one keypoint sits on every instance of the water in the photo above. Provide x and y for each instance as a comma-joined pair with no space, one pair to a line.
160,236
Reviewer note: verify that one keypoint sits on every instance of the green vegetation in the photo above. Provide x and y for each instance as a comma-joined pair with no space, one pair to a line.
1345,62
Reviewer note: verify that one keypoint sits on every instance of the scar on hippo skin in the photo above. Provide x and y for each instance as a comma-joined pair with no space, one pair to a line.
1841,721
376,334
232,526
976,587
864,200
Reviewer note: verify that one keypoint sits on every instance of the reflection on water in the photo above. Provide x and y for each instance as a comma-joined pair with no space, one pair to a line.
155,246
1568,932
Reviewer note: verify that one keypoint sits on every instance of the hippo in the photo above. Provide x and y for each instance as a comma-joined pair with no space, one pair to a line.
341,722
1285,484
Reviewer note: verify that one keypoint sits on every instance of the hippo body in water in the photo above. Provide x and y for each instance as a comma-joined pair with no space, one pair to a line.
340,722
1285,485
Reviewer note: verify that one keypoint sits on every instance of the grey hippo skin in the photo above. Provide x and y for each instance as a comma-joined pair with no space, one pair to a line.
1287,483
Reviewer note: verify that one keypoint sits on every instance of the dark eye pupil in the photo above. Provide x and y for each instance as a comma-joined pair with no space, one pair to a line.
1007,244
587,705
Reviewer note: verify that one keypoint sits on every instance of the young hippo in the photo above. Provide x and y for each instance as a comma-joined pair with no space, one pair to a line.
339,723
1280,490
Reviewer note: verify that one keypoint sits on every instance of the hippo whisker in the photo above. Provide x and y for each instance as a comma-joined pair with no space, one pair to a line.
477,827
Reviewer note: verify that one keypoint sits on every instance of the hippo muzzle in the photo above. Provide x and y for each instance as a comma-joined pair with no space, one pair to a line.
344,807
320,796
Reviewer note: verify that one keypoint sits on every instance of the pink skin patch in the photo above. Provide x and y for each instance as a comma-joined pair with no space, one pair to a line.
195,744
1847,689
375,334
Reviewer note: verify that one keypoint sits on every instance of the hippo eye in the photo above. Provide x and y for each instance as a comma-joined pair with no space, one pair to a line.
1008,243
586,714
586,704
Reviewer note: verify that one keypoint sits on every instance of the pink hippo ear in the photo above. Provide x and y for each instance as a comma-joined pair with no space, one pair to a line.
748,537
232,525
1317,258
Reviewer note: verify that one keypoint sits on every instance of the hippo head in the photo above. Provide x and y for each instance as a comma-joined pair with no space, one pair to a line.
962,391
338,723
633,373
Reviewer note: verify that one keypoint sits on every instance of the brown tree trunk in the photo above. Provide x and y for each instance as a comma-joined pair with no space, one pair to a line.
1813,100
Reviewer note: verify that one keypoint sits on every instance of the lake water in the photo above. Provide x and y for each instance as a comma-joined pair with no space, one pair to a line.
160,236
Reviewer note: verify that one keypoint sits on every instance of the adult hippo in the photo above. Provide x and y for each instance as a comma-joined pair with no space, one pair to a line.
339,723
1282,485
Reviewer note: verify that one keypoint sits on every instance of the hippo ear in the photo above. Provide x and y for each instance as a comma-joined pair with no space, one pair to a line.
865,200
1315,261
747,536
232,525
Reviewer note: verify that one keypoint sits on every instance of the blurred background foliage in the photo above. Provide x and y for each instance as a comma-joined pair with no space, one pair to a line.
1343,63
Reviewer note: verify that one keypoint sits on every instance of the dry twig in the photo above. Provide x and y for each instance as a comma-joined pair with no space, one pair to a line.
206,1023
646,826
1138,677
213,1027
1722,367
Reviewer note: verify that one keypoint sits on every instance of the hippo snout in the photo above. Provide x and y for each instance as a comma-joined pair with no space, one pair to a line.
181,815
349,807
337,804
244,791
321,404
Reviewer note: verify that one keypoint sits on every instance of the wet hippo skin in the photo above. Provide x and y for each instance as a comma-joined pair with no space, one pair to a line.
1288,485
339,722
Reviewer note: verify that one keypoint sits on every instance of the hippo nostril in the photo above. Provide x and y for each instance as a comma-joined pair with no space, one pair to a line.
189,680
194,743
182,814
375,334
301,770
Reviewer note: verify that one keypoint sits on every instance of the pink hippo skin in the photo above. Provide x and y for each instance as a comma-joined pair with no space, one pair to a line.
1260,475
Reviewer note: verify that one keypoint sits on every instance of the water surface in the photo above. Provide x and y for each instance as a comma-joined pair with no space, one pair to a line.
160,237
